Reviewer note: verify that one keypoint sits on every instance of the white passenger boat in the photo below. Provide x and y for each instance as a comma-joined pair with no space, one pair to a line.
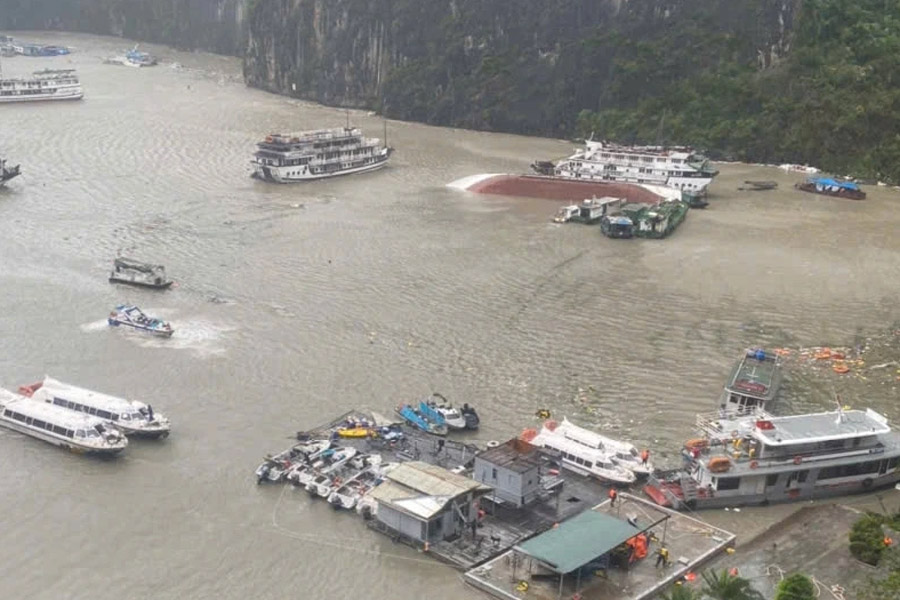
80,433
348,494
132,417
453,417
622,453
307,155
578,457
49,84
297,457
758,458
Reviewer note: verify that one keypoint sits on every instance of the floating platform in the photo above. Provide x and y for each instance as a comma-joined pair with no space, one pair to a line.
557,188
690,542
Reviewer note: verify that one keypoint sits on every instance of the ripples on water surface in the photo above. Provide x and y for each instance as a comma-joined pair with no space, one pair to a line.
296,303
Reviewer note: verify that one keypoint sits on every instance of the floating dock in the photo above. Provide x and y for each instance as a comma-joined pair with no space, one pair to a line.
521,573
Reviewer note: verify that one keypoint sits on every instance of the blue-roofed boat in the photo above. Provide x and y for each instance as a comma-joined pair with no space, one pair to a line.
128,315
424,417
828,186
141,59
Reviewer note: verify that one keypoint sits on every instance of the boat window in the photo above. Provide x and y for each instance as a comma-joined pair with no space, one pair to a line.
802,475
126,417
771,479
59,430
894,462
79,434
70,433
848,470
104,414
728,483
39,423
92,433
59,402
92,411
28,421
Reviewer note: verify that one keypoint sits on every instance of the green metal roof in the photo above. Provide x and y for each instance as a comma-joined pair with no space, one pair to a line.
578,541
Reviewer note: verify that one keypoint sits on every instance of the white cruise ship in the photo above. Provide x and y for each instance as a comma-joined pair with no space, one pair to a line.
676,167
80,433
49,84
133,417
307,155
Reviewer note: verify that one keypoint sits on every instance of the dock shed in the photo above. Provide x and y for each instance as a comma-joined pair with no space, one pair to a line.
513,470
424,503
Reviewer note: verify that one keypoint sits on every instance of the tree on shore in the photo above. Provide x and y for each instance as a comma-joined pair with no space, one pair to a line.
796,587
725,586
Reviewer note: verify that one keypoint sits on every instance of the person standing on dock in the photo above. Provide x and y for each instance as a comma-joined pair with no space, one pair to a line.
662,557
645,456
613,494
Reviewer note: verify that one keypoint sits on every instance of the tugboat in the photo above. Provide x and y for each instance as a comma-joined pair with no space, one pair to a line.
129,315
7,173
135,272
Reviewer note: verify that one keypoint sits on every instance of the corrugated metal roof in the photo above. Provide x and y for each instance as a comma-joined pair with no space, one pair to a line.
431,480
516,455
578,541
404,499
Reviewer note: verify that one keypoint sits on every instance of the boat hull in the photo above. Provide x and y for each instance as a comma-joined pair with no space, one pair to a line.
144,284
42,98
156,332
846,194
276,174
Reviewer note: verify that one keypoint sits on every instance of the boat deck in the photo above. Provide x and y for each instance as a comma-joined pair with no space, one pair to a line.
690,543
754,377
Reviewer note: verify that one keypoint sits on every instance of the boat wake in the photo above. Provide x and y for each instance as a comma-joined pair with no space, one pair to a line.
202,337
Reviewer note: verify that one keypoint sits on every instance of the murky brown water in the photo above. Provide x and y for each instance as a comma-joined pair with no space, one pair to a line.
362,291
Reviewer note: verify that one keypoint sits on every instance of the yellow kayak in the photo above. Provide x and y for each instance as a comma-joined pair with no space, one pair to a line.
356,432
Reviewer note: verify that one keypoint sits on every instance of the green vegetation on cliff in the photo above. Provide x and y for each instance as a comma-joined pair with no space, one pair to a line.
832,101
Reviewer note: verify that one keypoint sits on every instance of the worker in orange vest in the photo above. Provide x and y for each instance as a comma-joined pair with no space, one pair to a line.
645,456
613,494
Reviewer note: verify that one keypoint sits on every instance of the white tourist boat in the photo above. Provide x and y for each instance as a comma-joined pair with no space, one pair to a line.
757,458
132,417
293,460
578,457
49,84
676,167
624,453
307,155
80,433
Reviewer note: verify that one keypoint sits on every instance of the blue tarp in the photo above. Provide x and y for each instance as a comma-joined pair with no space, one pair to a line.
410,415
848,185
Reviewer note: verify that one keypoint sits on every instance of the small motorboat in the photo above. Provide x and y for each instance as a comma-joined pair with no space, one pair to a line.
326,463
135,272
128,315
453,417
424,417
471,417
276,468
566,213
7,173
348,494
354,432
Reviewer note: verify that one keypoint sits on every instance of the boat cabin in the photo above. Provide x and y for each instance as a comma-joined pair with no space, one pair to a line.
753,382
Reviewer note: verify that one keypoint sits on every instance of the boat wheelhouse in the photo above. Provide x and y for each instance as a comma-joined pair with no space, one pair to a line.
758,459
677,167
7,173
753,382
80,433
49,84
307,155
623,453
134,272
578,457
452,416
128,315
132,417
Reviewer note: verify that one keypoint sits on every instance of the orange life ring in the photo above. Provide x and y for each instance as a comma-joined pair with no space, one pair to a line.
528,435
798,460
753,464
840,368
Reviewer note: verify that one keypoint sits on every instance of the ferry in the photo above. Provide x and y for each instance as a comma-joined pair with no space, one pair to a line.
132,417
49,84
623,453
760,459
753,382
317,154
135,272
7,173
80,433
680,168
578,457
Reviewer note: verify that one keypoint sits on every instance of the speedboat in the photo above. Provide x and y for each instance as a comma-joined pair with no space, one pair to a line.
622,453
452,415
134,418
424,417
566,213
577,457
79,433
278,467
325,463
128,315
348,494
